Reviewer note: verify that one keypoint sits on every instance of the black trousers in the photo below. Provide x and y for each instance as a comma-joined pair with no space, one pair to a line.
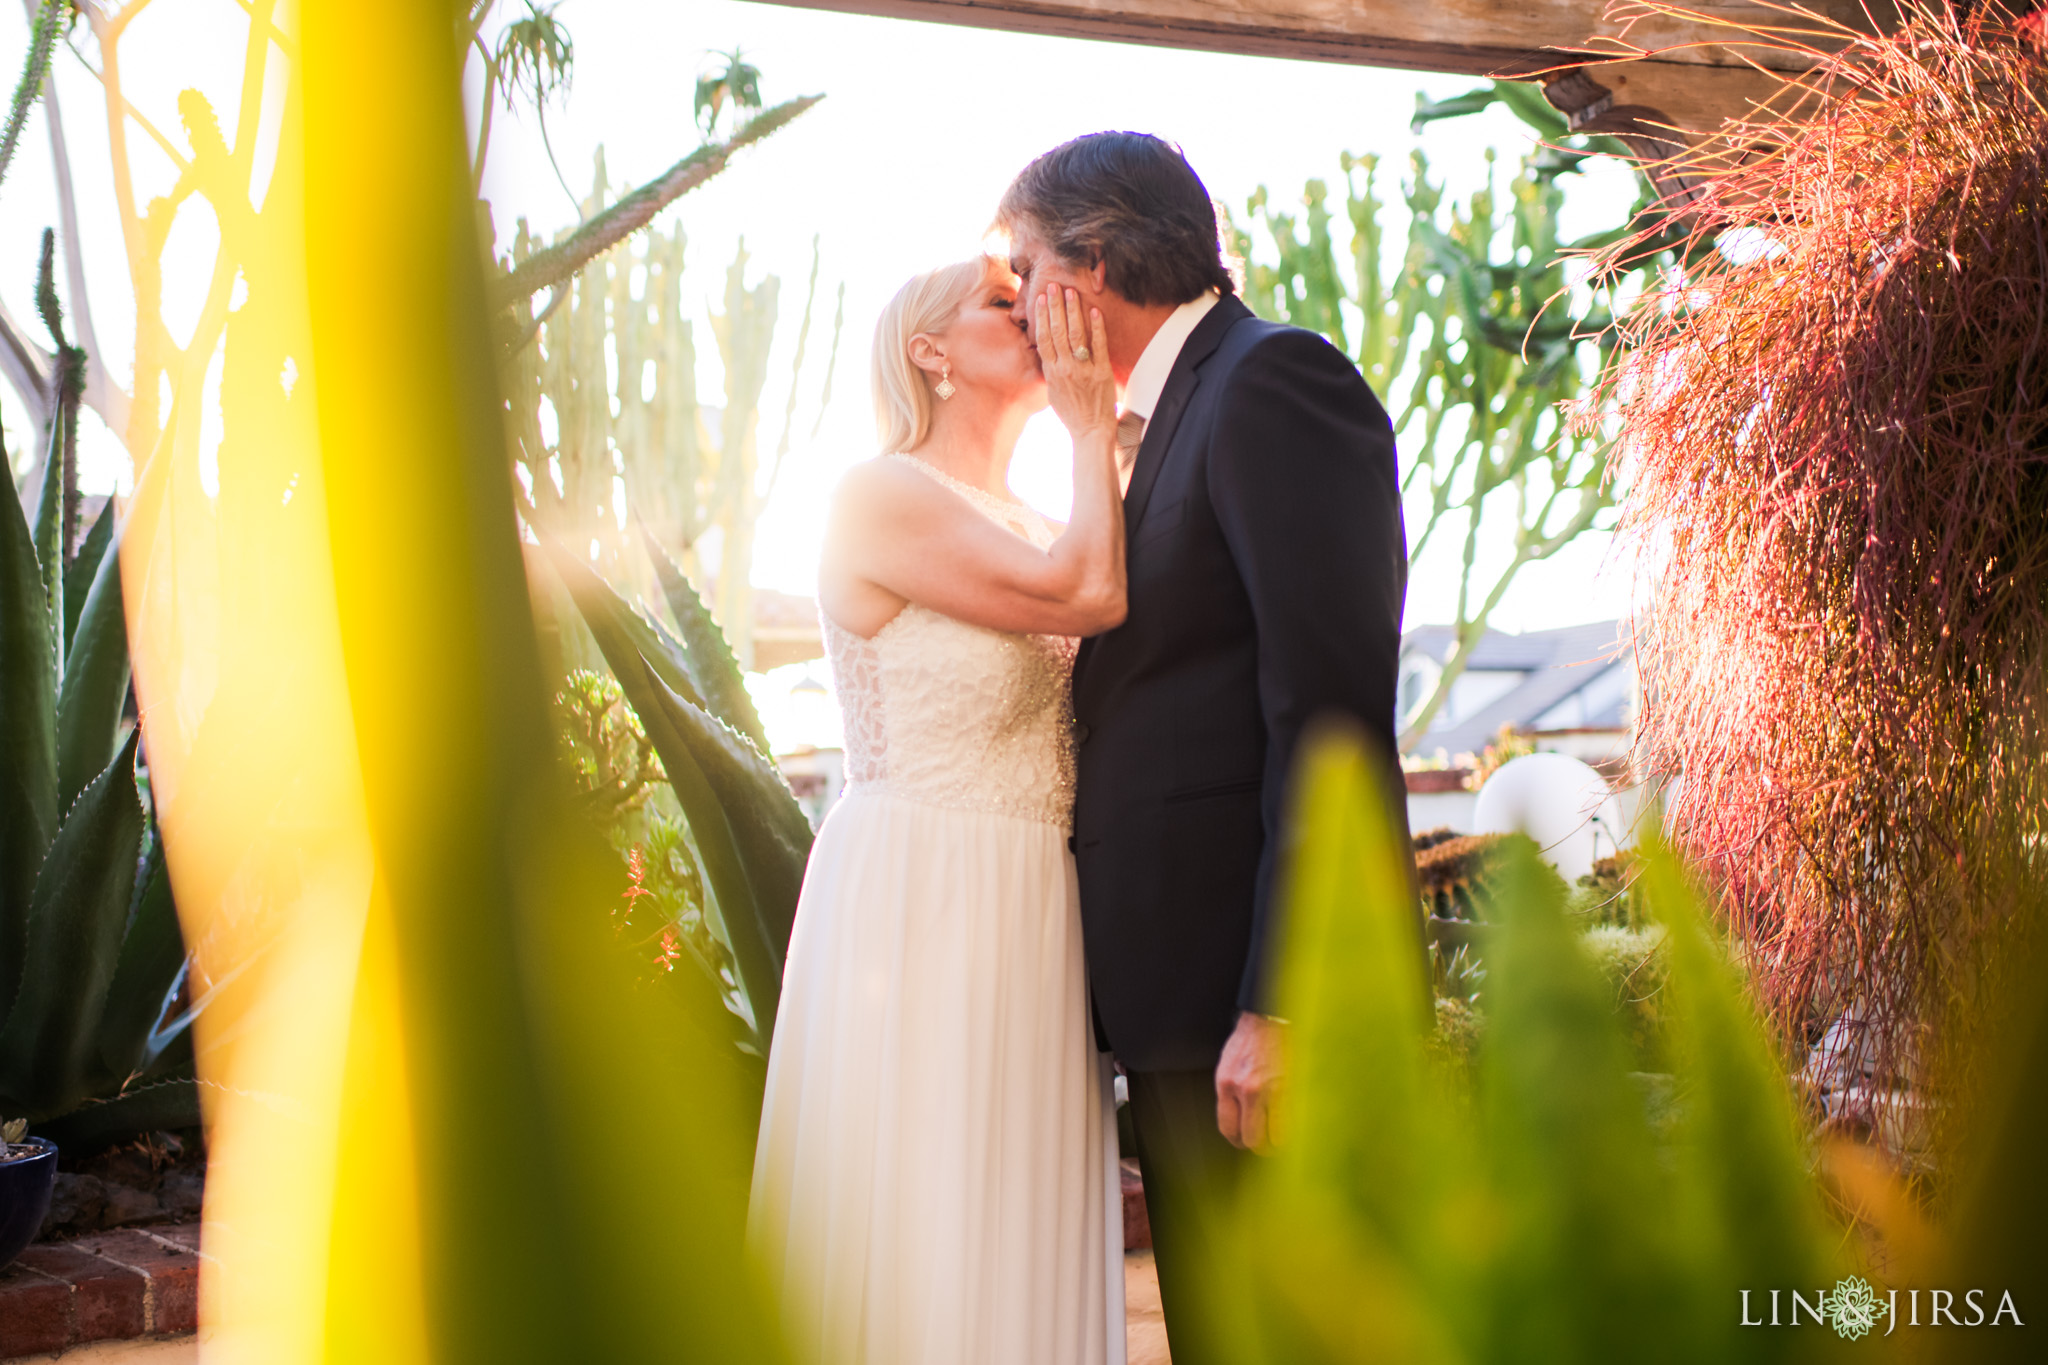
1191,1176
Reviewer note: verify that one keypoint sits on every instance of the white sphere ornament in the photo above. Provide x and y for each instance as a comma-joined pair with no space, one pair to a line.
1561,803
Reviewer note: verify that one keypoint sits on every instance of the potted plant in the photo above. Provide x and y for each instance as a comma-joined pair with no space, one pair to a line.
28,1172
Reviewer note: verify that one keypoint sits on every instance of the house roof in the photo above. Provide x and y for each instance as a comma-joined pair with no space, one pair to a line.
1555,664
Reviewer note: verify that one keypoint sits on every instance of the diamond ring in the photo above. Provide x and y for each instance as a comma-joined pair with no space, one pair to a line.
1083,354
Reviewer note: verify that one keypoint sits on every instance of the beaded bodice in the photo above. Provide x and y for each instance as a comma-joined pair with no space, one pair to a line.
957,715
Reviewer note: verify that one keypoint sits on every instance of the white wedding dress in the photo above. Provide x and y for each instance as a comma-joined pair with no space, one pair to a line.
936,1180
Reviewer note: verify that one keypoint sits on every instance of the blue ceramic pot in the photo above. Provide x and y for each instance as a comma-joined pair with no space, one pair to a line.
25,1185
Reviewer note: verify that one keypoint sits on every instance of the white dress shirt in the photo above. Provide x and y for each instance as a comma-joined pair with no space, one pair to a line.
1155,362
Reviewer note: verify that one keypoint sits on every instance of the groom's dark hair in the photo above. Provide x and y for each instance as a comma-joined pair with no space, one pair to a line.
1130,201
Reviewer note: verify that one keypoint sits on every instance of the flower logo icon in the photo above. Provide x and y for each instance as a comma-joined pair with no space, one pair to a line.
1853,1308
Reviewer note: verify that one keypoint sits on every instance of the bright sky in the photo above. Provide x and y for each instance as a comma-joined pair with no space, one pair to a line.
896,171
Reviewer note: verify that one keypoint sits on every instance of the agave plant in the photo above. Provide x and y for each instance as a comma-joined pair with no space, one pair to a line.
738,82
751,836
90,951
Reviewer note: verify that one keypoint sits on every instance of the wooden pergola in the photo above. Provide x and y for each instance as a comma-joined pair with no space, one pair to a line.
1607,67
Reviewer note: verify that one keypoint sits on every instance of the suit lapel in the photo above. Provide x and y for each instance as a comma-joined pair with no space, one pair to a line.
1173,401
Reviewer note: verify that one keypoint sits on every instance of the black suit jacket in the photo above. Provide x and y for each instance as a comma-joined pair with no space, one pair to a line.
1267,566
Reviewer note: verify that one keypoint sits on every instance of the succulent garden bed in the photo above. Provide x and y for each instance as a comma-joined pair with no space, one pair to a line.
1459,877
155,1179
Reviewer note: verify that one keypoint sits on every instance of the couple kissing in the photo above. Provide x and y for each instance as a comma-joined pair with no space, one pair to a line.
1067,754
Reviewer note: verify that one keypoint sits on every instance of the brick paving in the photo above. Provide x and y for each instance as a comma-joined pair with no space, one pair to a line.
144,1282
107,1286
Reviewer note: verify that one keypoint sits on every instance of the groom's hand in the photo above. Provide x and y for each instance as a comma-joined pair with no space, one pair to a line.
1247,1079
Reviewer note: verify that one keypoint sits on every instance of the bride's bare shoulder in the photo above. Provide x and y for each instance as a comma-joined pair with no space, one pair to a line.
884,489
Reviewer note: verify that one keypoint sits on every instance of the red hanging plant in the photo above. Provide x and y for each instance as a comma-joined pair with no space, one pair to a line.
1835,422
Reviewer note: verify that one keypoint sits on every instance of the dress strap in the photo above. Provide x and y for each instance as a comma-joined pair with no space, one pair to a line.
1002,509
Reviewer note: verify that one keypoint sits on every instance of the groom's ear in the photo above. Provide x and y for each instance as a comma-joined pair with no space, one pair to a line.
1099,274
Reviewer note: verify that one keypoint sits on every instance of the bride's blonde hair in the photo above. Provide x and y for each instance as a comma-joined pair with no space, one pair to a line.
903,392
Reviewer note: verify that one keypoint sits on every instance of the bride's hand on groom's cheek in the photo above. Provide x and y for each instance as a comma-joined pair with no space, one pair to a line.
1248,1079
1073,351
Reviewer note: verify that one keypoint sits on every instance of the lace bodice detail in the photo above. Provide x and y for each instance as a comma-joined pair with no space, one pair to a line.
957,715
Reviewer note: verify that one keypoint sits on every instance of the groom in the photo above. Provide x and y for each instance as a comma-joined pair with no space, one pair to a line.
1267,564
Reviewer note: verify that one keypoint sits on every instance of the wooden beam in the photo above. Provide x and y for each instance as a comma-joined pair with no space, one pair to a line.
1693,77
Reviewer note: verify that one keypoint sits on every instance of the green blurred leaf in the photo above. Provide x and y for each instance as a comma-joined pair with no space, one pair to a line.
28,739
491,917
78,577
1356,986
720,684
1351,1209
2002,1185
1753,1212
1588,1269
77,918
1536,1216
95,687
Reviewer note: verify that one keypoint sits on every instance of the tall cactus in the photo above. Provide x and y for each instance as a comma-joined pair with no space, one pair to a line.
745,332
612,368
1480,353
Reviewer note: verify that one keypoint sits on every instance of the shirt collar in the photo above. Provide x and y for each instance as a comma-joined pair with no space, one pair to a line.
1155,363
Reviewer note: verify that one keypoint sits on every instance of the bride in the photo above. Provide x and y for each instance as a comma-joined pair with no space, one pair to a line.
935,1181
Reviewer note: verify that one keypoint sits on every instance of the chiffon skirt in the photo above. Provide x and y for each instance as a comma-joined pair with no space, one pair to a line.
936,1181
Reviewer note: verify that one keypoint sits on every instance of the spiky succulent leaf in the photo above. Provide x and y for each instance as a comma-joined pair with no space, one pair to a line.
597,602
28,738
95,685
757,956
77,917
78,575
170,1053
49,539
773,835
713,668
165,1105
152,954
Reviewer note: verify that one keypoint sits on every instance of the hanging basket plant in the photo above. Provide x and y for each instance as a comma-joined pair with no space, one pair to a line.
1835,425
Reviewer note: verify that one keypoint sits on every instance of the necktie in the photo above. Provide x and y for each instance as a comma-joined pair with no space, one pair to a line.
1130,434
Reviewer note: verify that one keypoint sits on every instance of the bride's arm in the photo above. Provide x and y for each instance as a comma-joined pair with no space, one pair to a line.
905,534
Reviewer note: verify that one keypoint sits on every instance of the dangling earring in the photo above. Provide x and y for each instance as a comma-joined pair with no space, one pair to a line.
944,388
